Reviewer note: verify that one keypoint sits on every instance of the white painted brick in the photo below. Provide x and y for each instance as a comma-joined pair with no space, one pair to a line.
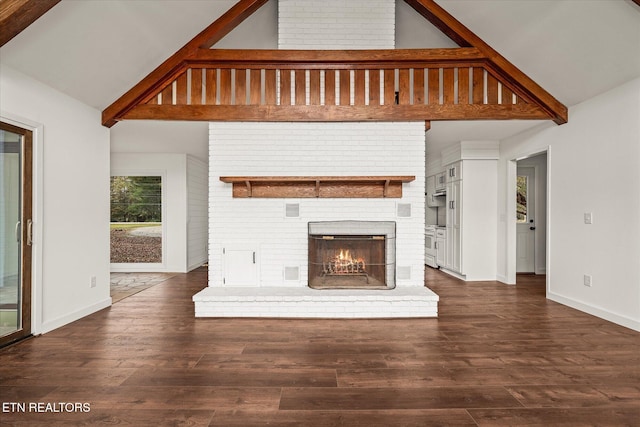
311,149
336,24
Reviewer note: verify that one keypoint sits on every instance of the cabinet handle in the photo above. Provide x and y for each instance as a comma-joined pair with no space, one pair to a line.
18,232
254,257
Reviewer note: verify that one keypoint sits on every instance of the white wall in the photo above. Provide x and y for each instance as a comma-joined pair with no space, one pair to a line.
593,166
173,169
198,212
155,136
72,199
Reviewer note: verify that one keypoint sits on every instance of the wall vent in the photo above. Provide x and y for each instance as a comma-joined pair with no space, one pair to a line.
404,273
292,273
292,210
403,210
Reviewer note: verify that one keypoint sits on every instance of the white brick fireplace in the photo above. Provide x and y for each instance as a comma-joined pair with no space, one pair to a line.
258,247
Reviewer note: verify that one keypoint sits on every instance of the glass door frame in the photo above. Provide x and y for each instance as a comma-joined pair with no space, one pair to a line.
26,233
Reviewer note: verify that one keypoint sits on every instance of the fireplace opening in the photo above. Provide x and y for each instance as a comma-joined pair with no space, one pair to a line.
351,255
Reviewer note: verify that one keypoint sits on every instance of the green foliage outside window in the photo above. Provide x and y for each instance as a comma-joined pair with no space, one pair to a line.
136,199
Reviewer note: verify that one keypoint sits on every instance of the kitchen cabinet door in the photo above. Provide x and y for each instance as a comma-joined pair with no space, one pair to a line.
454,172
433,201
441,250
441,181
453,258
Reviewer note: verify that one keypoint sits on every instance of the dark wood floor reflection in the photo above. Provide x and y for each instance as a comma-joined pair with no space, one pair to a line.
498,355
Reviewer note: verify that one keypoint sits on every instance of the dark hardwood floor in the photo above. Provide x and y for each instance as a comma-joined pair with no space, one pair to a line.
498,355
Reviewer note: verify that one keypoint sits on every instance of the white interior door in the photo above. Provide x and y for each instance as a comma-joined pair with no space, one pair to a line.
240,267
525,227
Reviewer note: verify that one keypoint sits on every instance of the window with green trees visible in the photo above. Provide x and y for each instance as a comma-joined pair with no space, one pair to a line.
521,199
136,219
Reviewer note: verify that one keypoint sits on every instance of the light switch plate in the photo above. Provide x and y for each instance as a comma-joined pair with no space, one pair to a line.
588,218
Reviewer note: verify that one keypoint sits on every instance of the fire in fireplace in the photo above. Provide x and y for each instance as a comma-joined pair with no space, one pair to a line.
344,263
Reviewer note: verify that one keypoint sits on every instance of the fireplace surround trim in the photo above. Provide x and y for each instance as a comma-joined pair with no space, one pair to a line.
363,228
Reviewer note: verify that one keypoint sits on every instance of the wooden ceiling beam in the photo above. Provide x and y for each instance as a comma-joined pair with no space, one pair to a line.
335,113
464,37
336,59
16,15
174,65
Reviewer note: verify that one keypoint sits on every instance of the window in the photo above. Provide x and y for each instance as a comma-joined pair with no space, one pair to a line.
521,199
136,219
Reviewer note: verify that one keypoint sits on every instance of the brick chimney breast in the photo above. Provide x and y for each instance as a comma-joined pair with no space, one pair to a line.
336,24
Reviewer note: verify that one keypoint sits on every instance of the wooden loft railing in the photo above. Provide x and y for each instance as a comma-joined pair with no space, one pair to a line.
360,85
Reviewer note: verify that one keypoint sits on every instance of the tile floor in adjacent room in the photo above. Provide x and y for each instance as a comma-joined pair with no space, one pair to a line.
126,284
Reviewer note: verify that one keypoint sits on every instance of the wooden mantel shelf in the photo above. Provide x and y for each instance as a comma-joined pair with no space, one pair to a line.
317,186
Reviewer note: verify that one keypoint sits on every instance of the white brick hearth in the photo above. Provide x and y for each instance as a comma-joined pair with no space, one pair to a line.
312,303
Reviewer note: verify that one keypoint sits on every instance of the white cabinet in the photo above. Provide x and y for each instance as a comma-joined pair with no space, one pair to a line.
472,218
453,260
441,247
240,267
453,172
432,201
440,181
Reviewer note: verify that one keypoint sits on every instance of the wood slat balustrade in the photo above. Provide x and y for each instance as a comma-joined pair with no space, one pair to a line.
283,85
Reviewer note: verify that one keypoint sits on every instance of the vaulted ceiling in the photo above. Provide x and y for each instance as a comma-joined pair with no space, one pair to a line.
96,50
470,82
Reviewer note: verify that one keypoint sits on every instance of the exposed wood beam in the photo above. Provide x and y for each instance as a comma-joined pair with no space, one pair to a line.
326,113
174,65
334,59
16,15
464,37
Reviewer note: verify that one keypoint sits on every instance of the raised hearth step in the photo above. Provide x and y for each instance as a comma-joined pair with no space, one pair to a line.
313,303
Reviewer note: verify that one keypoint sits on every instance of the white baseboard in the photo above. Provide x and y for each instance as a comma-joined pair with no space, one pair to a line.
502,278
197,264
50,325
541,271
453,273
596,311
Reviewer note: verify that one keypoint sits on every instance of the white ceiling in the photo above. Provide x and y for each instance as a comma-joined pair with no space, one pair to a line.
96,50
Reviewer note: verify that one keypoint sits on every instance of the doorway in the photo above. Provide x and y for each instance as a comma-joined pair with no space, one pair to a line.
16,232
531,214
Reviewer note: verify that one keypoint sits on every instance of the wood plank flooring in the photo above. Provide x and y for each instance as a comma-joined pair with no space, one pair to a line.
498,355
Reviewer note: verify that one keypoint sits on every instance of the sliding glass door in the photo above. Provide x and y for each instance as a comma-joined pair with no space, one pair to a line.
15,232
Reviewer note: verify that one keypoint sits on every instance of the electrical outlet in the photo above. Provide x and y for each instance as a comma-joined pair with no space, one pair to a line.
587,280
92,282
